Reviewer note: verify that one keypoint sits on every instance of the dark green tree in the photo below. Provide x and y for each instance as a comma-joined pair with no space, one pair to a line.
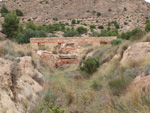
31,25
4,11
19,12
81,30
10,25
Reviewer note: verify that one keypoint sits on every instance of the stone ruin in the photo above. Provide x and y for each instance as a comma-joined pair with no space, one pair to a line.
58,52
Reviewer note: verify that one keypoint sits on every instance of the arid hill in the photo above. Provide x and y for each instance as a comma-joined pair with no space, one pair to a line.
128,13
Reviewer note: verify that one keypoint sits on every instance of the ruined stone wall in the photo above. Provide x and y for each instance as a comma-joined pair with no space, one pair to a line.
51,42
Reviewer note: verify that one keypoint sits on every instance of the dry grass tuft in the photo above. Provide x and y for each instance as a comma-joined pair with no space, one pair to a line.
146,38
11,50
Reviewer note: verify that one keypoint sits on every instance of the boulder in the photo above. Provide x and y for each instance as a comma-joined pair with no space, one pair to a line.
136,52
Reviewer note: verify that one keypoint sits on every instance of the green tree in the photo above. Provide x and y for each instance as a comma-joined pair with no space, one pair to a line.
29,33
101,27
31,25
4,11
10,25
81,30
19,12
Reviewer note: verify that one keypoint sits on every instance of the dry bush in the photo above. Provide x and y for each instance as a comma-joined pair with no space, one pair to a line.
11,50
146,38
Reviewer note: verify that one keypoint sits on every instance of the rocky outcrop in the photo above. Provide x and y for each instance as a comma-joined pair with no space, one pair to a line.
136,52
20,86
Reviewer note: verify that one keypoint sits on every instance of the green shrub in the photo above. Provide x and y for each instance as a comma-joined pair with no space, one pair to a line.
19,12
29,33
116,25
10,25
67,24
78,21
116,42
73,21
119,84
92,26
31,25
98,14
130,72
101,27
50,96
108,28
54,52
96,85
53,35
81,30
71,33
93,12
112,33
95,34
56,19
147,28
48,107
135,34
90,65
109,23
103,32
4,11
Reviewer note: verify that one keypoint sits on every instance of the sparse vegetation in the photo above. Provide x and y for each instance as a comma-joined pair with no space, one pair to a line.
116,42
100,83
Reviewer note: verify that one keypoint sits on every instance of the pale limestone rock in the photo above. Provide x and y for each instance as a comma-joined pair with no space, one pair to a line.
136,52
25,94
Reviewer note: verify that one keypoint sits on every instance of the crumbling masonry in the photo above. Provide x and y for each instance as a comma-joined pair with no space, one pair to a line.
58,51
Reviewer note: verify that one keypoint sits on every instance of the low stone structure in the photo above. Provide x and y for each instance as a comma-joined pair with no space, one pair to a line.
50,43
59,51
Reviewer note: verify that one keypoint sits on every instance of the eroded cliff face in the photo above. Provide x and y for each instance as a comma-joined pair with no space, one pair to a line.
20,86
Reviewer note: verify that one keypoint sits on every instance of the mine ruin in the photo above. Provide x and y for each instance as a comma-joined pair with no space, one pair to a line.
57,52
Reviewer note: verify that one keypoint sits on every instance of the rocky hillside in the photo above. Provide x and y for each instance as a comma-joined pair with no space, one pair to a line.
20,86
128,13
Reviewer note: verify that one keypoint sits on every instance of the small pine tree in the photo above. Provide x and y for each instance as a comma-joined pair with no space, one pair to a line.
4,11
10,25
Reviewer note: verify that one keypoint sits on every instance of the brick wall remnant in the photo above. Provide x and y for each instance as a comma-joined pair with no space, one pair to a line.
52,42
